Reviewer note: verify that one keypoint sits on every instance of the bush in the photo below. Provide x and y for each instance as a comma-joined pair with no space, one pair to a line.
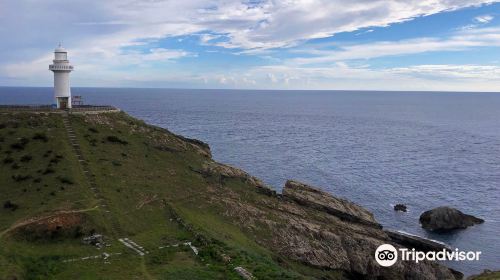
9,205
26,158
93,129
20,178
21,144
45,267
47,153
48,170
114,139
40,136
8,160
65,180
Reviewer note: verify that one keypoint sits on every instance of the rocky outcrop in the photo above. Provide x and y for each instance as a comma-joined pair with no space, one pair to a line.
313,197
243,273
444,219
212,168
400,207
322,231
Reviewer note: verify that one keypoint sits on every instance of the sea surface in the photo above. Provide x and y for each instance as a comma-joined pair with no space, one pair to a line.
423,149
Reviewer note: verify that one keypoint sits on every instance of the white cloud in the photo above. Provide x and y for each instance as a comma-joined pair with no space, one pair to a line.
484,19
475,72
99,35
419,77
460,41
247,24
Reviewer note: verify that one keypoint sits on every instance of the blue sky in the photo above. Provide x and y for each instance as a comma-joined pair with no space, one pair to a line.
287,44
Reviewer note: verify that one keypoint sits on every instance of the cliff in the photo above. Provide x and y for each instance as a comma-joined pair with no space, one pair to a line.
154,205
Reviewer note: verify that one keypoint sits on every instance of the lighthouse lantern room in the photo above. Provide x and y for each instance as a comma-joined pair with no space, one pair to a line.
61,68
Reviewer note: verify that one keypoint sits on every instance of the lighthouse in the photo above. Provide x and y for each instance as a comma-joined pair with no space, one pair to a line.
61,69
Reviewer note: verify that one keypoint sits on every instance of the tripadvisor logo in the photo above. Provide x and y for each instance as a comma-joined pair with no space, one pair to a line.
387,255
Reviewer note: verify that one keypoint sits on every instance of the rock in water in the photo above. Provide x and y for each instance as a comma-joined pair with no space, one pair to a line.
400,207
443,219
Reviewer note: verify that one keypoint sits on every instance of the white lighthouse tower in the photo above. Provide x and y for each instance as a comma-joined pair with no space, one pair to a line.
61,69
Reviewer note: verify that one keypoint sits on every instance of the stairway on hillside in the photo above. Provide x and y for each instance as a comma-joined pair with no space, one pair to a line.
116,228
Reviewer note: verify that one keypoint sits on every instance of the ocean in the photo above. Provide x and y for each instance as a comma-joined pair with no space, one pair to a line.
423,149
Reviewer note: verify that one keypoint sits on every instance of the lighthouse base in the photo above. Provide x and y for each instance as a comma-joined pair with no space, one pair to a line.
63,102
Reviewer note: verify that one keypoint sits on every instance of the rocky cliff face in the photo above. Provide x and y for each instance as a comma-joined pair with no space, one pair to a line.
341,208
322,231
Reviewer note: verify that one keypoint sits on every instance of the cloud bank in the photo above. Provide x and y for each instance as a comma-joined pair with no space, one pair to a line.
119,40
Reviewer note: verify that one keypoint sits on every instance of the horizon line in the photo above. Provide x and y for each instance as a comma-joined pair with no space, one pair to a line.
242,89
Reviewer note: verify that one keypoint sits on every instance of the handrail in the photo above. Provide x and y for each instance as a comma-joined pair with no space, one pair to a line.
44,108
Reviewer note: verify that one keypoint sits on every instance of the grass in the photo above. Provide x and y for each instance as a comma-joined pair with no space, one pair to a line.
147,191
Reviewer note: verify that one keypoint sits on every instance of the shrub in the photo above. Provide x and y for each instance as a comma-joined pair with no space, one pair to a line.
15,166
48,170
93,129
26,158
8,160
3,125
47,153
45,267
21,144
14,124
19,178
65,180
114,139
37,180
9,205
40,136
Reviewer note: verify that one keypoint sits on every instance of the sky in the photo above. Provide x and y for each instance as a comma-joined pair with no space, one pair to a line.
435,45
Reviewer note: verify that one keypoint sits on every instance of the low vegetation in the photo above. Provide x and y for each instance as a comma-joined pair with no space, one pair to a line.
158,197
115,139
40,136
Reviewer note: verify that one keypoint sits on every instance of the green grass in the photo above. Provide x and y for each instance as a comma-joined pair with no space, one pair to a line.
148,179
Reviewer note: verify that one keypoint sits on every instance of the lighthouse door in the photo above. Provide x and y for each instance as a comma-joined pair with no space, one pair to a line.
63,103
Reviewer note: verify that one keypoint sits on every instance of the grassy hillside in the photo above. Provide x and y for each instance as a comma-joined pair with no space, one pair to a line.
151,184
166,210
